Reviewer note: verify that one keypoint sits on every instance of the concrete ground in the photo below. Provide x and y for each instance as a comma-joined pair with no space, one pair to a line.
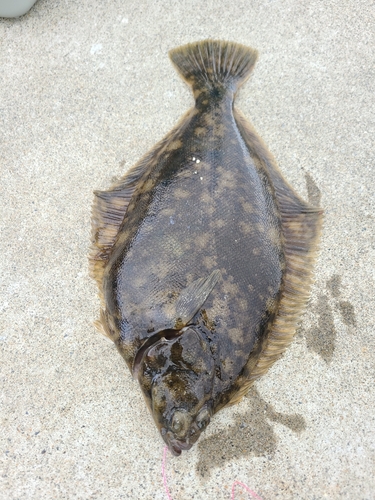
86,88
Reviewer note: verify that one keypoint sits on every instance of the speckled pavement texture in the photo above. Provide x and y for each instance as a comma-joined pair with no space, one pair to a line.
86,88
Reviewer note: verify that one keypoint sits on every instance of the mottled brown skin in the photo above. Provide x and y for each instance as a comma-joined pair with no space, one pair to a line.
204,204
198,217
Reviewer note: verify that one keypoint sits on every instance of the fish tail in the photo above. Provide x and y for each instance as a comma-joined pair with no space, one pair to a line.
210,63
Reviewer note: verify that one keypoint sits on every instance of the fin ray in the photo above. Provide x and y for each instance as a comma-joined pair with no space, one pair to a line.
193,297
210,62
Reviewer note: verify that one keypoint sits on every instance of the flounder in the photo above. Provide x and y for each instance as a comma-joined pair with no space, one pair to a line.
203,254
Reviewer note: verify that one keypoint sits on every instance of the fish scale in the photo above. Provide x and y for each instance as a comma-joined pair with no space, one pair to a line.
203,254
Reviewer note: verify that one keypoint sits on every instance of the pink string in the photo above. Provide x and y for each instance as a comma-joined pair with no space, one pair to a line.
252,493
163,471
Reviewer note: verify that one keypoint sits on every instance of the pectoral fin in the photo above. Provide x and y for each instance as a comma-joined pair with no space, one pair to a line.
192,299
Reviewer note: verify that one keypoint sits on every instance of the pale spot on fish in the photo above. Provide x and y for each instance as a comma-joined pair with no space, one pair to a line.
219,131
270,304
209,262
174,145
196,92
232,289
206,198
167,212
209,120
123,236
180,193
210,210
247,207
200,131
242,305
245,228
220,223
202,240
147,185
235,335
274,237
140,281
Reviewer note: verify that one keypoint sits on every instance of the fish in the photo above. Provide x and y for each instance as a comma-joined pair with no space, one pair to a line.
203,253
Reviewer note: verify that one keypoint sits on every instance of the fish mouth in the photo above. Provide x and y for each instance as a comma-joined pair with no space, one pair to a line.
176,447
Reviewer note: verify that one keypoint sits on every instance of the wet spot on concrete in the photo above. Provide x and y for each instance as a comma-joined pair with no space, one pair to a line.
334,284
345,307
321,338
294,422
250,435
347,313
313,192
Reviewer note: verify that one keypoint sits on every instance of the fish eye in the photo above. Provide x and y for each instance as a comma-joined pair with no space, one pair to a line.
203,419
176,423
181,421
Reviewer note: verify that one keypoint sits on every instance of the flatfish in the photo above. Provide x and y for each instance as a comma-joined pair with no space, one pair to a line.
203,253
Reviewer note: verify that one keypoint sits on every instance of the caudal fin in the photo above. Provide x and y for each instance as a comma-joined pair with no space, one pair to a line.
211,62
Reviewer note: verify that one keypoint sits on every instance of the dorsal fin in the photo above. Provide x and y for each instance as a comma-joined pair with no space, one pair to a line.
301,228
108,212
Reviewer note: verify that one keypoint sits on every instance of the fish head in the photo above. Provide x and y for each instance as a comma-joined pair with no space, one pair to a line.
180,420
176,377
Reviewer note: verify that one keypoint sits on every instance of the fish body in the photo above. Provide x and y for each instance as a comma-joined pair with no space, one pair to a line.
203,254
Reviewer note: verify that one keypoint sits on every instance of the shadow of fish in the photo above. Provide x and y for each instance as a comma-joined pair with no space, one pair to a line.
203,254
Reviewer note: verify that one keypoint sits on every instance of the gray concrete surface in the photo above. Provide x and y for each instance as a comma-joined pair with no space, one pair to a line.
85,89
